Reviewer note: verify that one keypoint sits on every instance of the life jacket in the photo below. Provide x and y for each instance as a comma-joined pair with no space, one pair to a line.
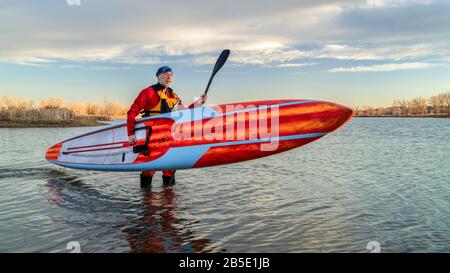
165,104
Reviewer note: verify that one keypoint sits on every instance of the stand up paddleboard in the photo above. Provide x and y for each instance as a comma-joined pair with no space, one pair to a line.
202,137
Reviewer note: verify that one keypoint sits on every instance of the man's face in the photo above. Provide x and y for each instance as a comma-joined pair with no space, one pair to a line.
165,79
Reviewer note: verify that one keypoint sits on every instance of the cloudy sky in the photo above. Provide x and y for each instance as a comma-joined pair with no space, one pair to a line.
352,52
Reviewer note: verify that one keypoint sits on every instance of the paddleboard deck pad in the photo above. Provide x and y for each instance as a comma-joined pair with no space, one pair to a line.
202,137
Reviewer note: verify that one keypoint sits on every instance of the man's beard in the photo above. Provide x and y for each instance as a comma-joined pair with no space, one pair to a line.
165,84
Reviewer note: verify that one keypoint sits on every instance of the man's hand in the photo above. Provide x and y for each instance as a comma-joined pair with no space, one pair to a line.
132,140
204,98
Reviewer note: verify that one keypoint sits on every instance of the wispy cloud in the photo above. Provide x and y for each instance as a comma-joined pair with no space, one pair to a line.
266,56
383,51
278,56
109,68
383,67
295,64
387,3
71,66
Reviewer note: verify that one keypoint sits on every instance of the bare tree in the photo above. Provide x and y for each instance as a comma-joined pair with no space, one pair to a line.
112,108
419,106
93,108
434,104
441,99
403,107
77,108
51,103
7,102
396,108
447,101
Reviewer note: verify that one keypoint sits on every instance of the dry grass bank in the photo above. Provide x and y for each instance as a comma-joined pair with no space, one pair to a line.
53,112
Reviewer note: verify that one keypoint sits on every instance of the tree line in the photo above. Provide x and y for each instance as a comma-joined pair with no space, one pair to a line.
438,105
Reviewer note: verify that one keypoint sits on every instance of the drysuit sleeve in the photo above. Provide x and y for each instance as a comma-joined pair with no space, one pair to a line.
134,110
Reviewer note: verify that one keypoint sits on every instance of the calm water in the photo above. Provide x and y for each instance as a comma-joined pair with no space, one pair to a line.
384,180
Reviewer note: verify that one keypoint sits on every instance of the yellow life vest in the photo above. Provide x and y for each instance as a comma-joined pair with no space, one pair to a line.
164,105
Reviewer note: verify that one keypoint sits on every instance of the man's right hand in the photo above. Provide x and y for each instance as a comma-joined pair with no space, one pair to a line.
132,140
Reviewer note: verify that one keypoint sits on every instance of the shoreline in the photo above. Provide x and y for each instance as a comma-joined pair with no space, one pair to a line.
51,124
95,122
426,116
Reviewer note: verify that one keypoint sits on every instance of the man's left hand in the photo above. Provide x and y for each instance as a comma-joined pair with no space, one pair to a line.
204,98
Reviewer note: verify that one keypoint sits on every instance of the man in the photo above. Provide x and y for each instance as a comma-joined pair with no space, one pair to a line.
155,100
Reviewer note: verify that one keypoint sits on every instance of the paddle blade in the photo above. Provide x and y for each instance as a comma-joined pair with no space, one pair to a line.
221,61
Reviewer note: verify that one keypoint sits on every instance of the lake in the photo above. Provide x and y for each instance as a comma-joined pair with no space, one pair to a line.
379,180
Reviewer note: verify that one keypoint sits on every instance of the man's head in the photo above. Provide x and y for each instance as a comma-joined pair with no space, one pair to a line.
165,76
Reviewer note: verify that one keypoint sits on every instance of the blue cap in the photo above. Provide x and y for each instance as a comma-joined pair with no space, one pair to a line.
163,69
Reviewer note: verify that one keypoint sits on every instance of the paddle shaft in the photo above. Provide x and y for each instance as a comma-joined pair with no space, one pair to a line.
219,63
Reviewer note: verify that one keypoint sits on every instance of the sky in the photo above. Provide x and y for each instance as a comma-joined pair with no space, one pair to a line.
358,53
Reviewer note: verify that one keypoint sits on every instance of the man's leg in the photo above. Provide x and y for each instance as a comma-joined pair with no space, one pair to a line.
169,177
146,178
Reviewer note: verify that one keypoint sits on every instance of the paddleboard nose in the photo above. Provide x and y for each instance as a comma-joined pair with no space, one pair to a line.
342,114
345,112
329,116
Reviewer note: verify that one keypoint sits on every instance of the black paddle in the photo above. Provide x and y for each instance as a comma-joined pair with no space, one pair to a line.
220,62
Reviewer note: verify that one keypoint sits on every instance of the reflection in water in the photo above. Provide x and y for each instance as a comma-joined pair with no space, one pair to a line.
152,225
54,193
56,181
158,230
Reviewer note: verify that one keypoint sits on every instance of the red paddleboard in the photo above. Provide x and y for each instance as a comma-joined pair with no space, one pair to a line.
202,137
